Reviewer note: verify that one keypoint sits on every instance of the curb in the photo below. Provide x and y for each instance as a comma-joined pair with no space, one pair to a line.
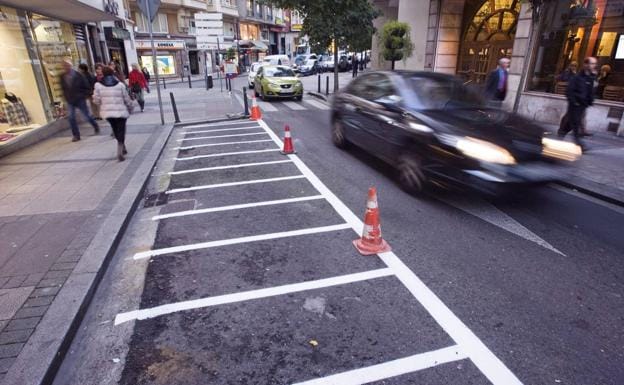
318,95
44,352
593,192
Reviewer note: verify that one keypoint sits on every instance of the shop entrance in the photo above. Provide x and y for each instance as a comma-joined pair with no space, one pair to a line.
194,62
488,35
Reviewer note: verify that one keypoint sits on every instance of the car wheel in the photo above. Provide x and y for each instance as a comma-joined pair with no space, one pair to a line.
411,175
298,98
338,135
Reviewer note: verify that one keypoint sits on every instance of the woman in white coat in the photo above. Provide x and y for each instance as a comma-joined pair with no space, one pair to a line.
115,106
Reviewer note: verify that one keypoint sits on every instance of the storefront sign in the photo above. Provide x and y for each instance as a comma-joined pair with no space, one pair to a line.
619,53
279,21
296,27
161,44
230,68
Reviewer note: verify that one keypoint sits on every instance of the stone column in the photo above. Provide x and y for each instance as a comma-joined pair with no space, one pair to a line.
449,36
416,14
388,13
520,56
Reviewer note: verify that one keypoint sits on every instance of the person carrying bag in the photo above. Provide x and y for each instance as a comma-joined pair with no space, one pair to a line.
137,83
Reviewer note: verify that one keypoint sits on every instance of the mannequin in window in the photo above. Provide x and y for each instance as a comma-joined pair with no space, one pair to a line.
603,80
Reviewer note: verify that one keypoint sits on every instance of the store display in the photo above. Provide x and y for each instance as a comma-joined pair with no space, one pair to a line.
14,111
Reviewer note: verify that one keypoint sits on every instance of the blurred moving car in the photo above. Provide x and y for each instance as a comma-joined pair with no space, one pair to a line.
431,128
310,67
277,82
252,73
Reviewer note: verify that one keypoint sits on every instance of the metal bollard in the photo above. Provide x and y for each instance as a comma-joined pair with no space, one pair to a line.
245,101
206,80
326,85
164,83
175,108
189,82
319,83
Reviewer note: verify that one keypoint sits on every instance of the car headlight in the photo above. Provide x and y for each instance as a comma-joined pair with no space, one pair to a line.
299,84
560,149
479,149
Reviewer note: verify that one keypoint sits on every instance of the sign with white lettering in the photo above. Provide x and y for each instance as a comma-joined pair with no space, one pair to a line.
208,30
160,44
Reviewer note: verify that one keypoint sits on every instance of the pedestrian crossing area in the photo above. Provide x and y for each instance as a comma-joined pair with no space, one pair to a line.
292,105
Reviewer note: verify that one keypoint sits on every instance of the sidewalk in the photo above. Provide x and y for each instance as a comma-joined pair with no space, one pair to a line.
63,209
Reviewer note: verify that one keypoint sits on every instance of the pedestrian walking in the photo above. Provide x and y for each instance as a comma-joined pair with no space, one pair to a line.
148,77
355,63
580,95
137,83
117,70
84,70
76,90
115,106
496,82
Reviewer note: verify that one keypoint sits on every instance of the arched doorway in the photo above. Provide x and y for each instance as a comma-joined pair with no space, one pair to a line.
487,36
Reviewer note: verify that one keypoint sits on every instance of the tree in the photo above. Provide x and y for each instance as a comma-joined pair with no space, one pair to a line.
395,41
327,21
230,54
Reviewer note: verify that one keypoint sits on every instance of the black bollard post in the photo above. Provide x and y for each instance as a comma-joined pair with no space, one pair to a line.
245,101
164,83
206,80
175,108
327,85
189,82
319,83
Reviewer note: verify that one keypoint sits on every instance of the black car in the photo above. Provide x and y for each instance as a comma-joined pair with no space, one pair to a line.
432,128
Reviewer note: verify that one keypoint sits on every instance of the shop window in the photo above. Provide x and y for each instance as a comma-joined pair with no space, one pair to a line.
569,31
159,25
166,63
21,106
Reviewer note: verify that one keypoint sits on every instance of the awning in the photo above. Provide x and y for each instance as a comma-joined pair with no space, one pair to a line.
73,11
254,45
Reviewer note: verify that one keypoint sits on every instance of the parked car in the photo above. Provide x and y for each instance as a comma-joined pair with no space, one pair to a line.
301,59
432,128
310,67
252,73
343,63
276,60
328,63
277,82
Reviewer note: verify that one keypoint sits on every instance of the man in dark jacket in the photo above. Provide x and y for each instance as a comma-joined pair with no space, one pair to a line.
580,94
76,89
496,82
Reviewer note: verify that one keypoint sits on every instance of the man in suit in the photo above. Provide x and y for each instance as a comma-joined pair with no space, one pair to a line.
580,95
76,89
496,82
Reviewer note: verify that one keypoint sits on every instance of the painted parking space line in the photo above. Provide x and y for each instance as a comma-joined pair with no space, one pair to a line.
294,106
240,165
227,154
490,365
220,130
221,136
220,144
216,124
317,104
236,207
392,368
250,295
230,184
234,241
266,106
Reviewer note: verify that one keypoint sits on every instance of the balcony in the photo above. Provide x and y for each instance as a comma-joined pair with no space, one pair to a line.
227,7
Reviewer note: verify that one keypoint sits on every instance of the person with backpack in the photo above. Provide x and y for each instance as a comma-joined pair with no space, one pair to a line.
115,106
137,83
76,89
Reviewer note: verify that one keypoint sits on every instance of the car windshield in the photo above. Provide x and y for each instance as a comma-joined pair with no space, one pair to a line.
300,59
279,72
309,62
438,94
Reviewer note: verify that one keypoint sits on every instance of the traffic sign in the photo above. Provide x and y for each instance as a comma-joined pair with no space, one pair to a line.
149,10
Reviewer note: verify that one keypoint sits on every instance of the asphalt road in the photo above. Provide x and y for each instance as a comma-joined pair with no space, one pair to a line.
536,282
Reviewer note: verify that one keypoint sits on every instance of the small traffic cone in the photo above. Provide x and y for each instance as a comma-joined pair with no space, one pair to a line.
371,241
288,144
256,114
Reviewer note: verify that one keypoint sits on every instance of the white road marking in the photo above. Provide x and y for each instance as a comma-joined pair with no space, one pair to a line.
236,207
235,241
392,368
221,136
230,184
489,213
240,165
220,144
250,295
228,153
294,106
216,124
317,104
490,365
265,106
220,130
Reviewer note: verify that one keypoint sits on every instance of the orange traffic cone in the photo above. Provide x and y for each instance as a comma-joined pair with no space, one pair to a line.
255,109
371,241
288,144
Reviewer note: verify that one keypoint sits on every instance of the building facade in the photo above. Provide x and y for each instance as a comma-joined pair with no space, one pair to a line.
467,37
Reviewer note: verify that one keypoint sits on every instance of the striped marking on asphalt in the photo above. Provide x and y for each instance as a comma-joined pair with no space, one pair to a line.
266,106
230,184
317,104
240,165
221,136
220,130
220,144
228,154
236,207
250,295
235,241
294,106
392,368
217,124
